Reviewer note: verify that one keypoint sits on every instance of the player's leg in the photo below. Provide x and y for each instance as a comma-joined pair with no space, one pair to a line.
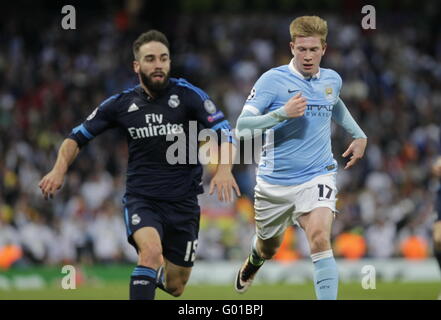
144,231
261,250
273,208
179,245
317,225
143,278
173,278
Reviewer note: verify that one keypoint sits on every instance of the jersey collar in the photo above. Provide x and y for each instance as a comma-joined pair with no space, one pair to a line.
297,73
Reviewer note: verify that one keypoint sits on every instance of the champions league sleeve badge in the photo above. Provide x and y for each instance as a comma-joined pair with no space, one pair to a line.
209,106
173,102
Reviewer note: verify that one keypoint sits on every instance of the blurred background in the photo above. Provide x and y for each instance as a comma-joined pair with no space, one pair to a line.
51,79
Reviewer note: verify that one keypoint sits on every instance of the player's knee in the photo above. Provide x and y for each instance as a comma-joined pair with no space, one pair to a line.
176,288
320,241
267,252
177,291
150,256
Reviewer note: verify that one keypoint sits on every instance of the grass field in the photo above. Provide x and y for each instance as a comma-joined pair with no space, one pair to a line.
348,291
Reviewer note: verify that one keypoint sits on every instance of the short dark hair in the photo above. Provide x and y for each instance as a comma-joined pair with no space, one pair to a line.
149,36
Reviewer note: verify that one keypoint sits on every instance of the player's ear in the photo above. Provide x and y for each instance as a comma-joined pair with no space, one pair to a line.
324,49
291,45
136,66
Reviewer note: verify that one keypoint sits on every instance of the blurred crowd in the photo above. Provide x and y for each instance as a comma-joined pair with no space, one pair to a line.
51,80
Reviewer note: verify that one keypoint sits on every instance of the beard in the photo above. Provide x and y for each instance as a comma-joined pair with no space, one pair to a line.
154,86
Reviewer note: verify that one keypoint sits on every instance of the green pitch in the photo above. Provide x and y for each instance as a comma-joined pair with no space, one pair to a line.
351,291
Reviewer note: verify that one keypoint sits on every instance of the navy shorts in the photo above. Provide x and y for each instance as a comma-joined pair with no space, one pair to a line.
176,222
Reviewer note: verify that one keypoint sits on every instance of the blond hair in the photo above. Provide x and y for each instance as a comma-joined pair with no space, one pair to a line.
309,26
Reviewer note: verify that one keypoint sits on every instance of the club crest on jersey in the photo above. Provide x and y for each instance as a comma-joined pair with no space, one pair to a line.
93,114
136,219
209,106
173,102
328,93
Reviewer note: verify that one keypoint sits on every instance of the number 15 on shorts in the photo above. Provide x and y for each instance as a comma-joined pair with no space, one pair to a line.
190,252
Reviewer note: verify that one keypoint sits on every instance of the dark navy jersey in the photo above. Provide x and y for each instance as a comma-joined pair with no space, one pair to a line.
158,166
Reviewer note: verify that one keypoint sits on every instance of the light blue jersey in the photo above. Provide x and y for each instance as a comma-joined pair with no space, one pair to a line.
301,148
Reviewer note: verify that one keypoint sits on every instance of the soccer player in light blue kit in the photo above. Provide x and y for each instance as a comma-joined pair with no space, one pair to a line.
296,178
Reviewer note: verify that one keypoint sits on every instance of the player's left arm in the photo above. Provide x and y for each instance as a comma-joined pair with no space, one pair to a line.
223,180
342,116
208,116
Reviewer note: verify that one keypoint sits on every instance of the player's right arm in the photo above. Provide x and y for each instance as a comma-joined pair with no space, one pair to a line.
251,121
102,118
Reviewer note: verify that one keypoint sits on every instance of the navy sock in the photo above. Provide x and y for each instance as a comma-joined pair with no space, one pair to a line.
142,283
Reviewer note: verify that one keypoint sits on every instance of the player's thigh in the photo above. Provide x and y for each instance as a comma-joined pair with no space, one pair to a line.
148,243
273,207
181,232
176,277
144,224
318,225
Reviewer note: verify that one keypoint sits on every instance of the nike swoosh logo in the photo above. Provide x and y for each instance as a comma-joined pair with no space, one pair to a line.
318,282
238,285
291,91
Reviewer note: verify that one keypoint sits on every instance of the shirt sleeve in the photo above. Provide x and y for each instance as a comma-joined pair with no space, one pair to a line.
262,95
342,116
209,116
101,119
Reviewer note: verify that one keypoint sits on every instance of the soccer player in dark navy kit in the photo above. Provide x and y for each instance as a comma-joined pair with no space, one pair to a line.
161,210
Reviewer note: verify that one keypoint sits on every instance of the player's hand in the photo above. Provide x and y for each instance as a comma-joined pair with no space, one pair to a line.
224,181
296,106
51,183
356,150
436,167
